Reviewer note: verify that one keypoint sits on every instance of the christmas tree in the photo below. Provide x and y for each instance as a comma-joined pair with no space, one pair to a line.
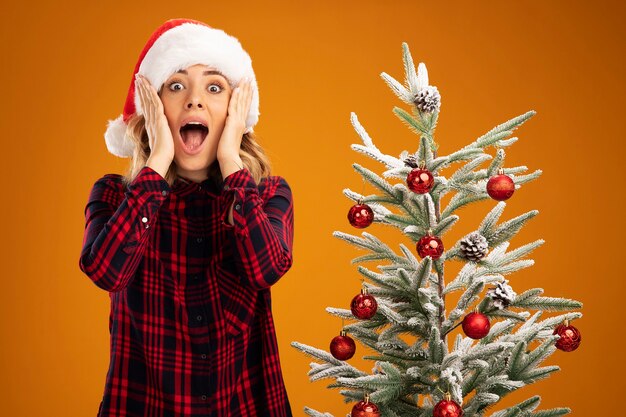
420,369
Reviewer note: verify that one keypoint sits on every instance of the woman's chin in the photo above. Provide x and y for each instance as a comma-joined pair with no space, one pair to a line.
192,162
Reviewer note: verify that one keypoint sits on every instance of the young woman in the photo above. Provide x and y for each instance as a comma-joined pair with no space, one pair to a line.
190,241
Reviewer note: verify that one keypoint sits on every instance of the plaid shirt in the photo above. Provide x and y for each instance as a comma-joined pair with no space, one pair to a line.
191,325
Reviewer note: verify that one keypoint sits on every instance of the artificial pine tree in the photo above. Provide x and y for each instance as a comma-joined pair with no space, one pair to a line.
502,345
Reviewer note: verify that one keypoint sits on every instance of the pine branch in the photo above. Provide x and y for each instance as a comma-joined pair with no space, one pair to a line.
425,152
468,297
547,303
375,180
522,362
390,282
462,199
321,372
458,156
319,354
460,175
383,387
370,149
554,412
414,125
399,358
526,407
508,314
497,261
498,329
478,402
521,409
313,413
509,228
501,131
409,70
370,242
397,88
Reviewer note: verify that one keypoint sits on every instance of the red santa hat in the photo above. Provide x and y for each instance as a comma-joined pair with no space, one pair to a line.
175,45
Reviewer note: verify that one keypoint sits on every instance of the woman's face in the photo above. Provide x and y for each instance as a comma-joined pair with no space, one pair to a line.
195,102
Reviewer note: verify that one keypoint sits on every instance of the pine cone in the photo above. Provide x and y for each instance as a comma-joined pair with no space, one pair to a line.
411,161
502,295
427,99
474,246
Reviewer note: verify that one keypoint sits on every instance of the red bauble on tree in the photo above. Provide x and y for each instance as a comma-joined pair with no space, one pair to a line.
570,337
420,180
365,408
360,215
430,245
447,408
476,325
363,305
500,187
342,347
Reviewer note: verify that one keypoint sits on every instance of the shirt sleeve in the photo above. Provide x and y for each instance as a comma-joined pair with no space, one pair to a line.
262,233
116,234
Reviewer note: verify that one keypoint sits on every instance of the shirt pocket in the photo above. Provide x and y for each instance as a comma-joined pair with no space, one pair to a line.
239,302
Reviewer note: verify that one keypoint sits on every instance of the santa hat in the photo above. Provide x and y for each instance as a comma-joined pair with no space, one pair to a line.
175,45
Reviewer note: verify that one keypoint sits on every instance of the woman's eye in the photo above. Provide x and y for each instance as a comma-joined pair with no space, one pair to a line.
213,90
177,86
174,84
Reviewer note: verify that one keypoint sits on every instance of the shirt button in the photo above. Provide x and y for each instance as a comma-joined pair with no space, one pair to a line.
199,187
203,356
164,192
144,219
226,187
237,207
203,398
199,317
195,277
199,240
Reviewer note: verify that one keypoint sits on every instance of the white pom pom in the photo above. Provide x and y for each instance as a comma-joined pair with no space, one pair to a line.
116,140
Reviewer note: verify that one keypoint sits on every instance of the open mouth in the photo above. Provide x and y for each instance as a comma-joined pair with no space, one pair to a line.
193,135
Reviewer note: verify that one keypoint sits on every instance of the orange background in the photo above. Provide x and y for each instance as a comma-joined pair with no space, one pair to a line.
66,67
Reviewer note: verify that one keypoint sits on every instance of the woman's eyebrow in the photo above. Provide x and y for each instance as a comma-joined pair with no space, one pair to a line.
208,72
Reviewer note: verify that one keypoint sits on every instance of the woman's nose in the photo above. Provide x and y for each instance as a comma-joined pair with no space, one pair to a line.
194,102
194,99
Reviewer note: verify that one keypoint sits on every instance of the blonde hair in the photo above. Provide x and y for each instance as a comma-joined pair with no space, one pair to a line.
252,155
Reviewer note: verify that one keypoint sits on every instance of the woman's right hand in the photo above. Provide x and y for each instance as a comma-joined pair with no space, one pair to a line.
159,133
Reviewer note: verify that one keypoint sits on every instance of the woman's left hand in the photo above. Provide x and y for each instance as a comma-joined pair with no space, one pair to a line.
235,126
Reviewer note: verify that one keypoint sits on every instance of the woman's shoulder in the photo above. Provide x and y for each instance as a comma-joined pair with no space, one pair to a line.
107,187
111,180
274,185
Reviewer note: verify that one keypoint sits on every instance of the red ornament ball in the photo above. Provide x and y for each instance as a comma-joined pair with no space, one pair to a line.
570,337
500,187
430,246
342,347
476,325
447,408
365,408
363,305
360,216
420,180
